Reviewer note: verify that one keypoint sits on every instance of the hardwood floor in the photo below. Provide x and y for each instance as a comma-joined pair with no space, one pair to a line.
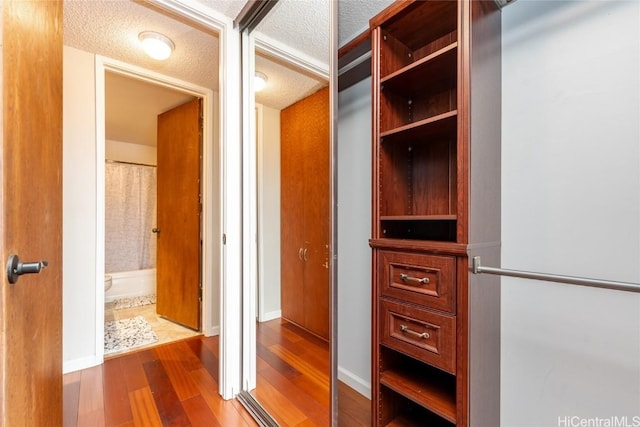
293,374
176,384
354,410
293,379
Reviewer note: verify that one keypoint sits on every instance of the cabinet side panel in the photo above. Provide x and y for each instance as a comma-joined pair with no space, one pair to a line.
485,123
484,212
375,133
484,341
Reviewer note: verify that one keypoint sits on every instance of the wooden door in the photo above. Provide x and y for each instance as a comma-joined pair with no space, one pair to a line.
291,220
178,259
316,212
305,214
31,220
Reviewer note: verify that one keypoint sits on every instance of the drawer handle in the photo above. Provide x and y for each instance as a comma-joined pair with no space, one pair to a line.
424,335
406,278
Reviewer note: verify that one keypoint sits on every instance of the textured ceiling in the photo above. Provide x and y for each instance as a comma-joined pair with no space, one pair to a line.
354,15
302,25
286,84
111,28
229,8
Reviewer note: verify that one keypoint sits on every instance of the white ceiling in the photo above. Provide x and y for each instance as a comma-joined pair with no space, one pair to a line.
229,8
111,28
354,15
301,25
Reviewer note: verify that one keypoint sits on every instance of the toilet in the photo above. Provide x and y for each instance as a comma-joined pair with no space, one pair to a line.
107,283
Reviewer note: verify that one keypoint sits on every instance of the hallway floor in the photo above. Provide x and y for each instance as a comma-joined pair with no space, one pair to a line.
177,384
166,330
173,384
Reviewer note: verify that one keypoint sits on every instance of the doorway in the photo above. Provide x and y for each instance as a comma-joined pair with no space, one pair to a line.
146,302
176,92
86,38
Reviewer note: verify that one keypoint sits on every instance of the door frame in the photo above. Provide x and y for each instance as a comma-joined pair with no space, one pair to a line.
208,228
229,211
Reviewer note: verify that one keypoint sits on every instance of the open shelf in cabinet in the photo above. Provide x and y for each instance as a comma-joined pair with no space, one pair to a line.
417,185
421,91
441,125
418,74
412,415
416,419
436,227
406,38
414,381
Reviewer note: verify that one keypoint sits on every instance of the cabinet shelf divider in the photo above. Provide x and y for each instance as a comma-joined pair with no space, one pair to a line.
444,122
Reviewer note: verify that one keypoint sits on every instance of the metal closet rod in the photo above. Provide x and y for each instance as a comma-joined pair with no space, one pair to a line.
478,268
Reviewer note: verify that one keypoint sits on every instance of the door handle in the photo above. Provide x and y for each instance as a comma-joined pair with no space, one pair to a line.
15,268
300,254
155,230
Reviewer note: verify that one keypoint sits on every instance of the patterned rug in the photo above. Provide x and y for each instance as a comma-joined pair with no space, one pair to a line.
123,303
126,334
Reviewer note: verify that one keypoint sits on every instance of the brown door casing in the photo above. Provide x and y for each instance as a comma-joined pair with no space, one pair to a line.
31,220
179,256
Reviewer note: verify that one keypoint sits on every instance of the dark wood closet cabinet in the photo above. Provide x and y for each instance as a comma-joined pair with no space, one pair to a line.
436,203
305,213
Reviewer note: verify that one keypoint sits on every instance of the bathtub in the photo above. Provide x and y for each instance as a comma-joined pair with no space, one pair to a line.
131,284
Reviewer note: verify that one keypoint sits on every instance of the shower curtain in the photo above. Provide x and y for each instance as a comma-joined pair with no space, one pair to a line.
130,214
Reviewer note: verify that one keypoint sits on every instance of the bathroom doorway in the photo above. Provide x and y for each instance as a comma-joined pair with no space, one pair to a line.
99,37
153,144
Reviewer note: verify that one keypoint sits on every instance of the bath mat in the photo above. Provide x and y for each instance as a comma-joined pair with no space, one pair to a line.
123,303
126,334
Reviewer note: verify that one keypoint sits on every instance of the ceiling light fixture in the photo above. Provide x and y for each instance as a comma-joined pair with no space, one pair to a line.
260,81
156,45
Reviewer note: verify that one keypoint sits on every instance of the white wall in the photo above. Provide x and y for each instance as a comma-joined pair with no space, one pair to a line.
354,231
79,210
80,220
268,129
570,205
130,152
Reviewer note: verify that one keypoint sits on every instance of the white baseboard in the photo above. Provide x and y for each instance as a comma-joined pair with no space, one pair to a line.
212,331
80,364
91,361
355,382
265,317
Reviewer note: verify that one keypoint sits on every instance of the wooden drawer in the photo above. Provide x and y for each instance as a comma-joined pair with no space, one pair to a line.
422,334
428,280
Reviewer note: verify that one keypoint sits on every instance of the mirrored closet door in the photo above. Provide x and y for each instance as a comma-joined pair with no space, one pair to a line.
288,205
